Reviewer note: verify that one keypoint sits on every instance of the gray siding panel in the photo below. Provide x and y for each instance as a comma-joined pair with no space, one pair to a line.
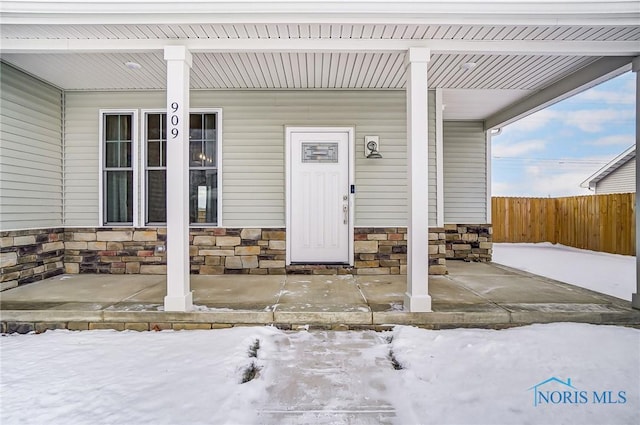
253,149
622,180
433,168
253,130
82,141
30,152
465,172
253,169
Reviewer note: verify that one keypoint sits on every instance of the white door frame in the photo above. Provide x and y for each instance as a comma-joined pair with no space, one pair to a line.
352,178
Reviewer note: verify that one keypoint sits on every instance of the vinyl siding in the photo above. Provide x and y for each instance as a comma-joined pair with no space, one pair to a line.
432,163
82,142
253,169
30,152
465,172
622,180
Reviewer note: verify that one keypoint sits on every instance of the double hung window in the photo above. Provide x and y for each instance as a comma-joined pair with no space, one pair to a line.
203,168
117,168
156,168
120,172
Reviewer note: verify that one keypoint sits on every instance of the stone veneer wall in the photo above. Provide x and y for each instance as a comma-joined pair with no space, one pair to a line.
437,251
115,250
380,250
142,250
469,242
215,251
237,251
30,255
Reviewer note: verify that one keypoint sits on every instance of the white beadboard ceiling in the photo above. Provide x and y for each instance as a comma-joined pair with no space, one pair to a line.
107,71
324,31
496,81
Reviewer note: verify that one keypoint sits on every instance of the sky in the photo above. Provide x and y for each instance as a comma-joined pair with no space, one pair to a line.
549,153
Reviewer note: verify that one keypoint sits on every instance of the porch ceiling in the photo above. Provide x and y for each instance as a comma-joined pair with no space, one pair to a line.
258,70
325,30
512,62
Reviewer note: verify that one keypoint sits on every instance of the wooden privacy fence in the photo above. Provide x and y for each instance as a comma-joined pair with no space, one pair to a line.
596,222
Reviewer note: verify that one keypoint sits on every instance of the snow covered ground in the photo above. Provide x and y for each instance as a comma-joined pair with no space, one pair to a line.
458,376
606,273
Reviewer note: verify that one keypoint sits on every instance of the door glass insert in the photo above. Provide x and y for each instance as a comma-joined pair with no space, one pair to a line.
320,152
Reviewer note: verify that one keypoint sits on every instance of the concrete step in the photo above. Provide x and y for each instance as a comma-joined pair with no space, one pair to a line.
308,368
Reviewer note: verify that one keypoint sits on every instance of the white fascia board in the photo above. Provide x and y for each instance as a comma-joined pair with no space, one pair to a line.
542,12
591,75
610,167
515,47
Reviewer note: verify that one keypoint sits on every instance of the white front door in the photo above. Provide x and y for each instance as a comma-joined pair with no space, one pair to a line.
319,223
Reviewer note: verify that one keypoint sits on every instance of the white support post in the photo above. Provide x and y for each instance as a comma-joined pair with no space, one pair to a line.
179,296
635,298
417,298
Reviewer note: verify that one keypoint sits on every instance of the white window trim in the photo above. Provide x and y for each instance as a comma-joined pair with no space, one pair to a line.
134,165
143,163
218,112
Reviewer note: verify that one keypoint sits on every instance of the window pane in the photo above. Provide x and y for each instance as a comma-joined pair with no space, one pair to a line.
125,127
203,196
156,196
196,156
125,154
210,127
153,154
210,154
119,196
210,121
163,126
195,126
112,153
112,127
153,126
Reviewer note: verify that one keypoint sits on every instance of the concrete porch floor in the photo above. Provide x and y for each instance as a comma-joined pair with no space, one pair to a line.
472,295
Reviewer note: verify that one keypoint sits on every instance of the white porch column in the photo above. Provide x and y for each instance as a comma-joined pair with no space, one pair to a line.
417,298
179,296
635,298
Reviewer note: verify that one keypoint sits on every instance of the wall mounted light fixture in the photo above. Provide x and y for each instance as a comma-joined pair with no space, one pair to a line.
372,147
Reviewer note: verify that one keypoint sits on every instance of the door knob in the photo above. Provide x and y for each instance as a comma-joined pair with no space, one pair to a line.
345,209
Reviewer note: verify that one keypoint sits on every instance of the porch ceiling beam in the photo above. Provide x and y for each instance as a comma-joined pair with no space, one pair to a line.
583,79
508,47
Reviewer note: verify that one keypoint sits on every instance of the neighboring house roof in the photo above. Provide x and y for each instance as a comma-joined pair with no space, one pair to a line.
612,166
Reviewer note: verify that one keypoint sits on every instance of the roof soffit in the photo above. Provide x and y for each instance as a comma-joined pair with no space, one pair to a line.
520,47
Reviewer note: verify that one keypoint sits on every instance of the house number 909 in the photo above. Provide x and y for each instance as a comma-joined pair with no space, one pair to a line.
174,120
